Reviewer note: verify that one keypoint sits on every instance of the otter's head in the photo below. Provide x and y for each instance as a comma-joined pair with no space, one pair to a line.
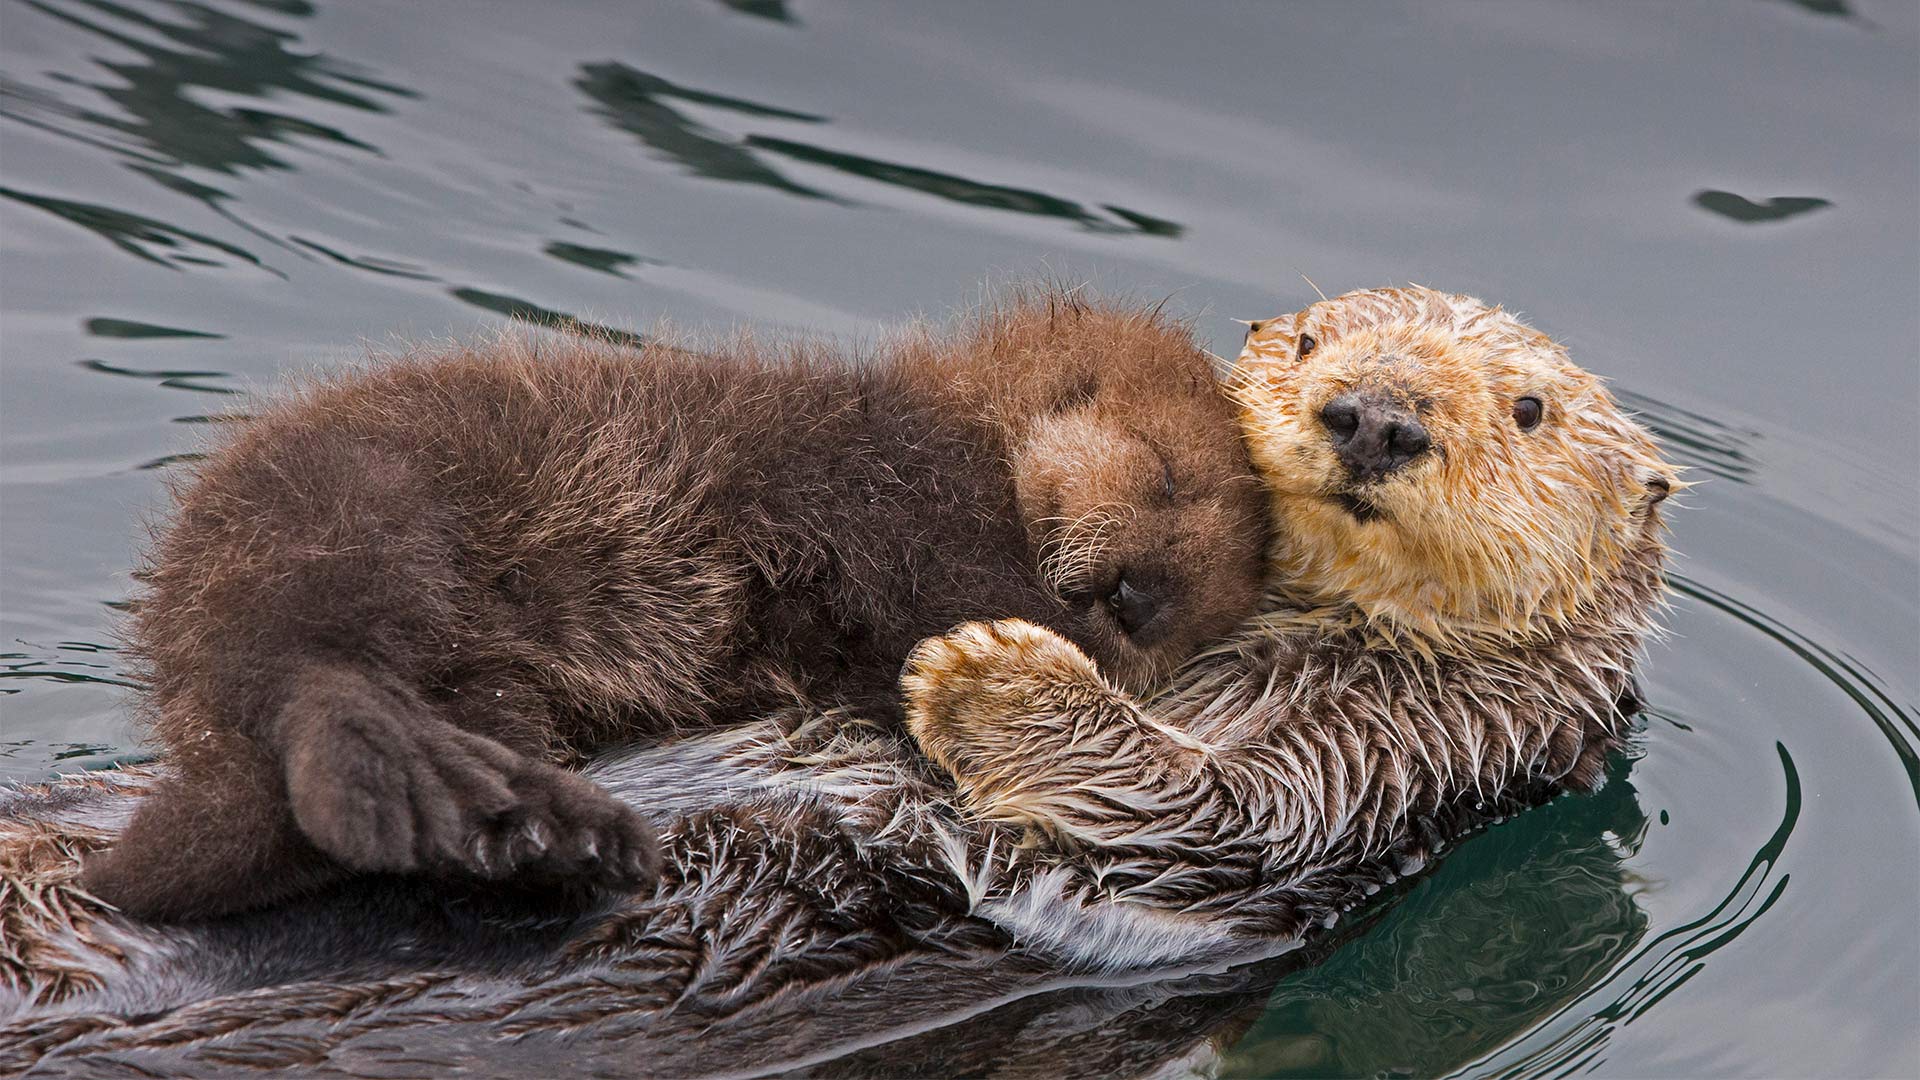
1131,474
1443,467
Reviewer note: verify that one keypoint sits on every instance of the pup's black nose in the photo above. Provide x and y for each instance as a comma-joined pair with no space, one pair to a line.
1132,607
1372,435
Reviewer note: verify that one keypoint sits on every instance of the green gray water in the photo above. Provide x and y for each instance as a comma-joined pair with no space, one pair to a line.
1715,204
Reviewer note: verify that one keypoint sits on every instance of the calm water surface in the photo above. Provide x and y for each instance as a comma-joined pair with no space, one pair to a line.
1716,204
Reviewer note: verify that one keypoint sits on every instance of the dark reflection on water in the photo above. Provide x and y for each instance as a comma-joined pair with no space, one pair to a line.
133,328
141,236
163,128
527,311
372,264
167,461
1513,927
1753,212
23,666
776,10
605,260
1650,972
1824,7
172,379
636,102
962,190
161,122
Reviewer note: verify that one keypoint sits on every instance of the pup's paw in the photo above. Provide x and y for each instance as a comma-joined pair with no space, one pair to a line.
986,689
563,827
380,788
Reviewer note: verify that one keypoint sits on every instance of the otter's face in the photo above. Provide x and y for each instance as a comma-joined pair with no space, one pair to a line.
1441,465
1147,519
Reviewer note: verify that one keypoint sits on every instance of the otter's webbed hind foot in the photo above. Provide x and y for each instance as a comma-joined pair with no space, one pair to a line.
382,786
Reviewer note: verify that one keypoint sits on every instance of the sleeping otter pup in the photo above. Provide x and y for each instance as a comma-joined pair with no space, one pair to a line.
383,615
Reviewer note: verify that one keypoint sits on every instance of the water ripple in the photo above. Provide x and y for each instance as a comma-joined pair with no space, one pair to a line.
1896,723
1655,969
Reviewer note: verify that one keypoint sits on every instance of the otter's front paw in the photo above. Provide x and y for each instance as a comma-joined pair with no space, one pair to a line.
383,791
986,695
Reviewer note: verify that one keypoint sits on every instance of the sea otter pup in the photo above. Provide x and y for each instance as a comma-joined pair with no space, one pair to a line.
384,614
1469,554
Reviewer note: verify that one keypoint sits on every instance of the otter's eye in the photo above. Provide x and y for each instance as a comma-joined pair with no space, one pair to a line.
1307,345
1527,412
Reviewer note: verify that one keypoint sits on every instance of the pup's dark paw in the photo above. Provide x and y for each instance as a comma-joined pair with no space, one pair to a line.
381,788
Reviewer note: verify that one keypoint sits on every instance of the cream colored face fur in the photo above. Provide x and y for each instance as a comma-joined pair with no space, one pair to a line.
1498,529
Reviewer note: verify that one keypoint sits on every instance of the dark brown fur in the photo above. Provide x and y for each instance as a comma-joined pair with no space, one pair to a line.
384,616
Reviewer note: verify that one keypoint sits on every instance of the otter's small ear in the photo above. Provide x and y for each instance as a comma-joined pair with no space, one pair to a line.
1659,486
1255,327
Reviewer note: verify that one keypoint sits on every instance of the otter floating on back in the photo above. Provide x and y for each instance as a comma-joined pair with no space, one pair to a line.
819,875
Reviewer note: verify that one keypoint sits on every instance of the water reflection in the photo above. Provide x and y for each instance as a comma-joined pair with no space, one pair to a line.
141,236
527,311
164,126
172,379
962,190
634,101
1837,8
1747,211
163,117
1896,723
167,461
132,328
61,669
605,260
1652,970
775,10
372,264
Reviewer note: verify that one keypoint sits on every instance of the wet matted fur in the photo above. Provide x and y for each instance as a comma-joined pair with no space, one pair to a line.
820,893
383,616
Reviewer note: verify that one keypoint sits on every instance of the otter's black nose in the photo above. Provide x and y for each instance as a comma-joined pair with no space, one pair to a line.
1132,607
1372,435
